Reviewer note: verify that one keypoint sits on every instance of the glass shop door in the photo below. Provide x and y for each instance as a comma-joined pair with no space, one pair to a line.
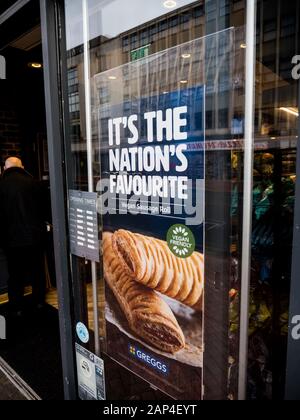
154,163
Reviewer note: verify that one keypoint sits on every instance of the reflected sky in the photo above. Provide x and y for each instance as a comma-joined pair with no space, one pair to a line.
113,17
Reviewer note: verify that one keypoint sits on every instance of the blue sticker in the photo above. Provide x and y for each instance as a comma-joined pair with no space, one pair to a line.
83,333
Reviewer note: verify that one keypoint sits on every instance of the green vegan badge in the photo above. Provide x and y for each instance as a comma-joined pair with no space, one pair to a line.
181,241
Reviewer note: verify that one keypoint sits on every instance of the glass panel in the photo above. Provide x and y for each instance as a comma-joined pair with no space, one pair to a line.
148,169
276,138
157,110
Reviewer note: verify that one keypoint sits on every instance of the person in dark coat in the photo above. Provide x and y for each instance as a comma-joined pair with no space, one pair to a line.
21,233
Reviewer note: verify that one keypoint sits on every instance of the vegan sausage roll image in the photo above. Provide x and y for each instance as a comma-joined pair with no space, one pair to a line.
148,315
150,262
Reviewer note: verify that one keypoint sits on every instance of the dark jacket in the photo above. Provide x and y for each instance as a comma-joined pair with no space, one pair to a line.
21,210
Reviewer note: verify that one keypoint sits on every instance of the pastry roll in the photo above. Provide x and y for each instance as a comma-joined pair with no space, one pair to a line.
150,262
148,315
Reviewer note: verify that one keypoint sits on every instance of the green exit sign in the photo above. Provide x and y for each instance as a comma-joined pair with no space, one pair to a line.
140,52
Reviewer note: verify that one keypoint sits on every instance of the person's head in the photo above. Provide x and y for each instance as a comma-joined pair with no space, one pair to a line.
13,162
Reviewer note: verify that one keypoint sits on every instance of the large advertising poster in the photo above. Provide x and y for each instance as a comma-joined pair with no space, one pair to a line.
152,146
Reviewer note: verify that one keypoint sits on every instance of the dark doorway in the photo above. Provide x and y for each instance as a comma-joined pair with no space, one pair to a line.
32,347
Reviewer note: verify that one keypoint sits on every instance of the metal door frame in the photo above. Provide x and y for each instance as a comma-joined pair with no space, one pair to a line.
52,38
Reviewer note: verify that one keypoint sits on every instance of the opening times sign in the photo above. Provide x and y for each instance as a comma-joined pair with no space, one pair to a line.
83,225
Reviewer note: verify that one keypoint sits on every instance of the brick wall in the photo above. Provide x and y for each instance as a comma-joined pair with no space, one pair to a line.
10,135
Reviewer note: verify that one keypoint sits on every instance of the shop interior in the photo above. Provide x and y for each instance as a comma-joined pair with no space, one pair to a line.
32,348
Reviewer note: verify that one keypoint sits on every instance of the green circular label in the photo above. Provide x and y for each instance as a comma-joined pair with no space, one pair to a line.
181,241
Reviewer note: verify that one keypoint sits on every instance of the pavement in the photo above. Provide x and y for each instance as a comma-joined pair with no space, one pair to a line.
9,390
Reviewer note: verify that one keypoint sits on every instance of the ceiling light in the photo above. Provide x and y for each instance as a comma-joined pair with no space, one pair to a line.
183,82
186,56
273,138
292,111
112,78
170,4
35,65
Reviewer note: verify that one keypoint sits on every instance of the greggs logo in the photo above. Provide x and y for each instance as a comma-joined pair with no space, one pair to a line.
2,67
148,359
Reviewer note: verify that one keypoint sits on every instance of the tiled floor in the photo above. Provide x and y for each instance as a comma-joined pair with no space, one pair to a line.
4,296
